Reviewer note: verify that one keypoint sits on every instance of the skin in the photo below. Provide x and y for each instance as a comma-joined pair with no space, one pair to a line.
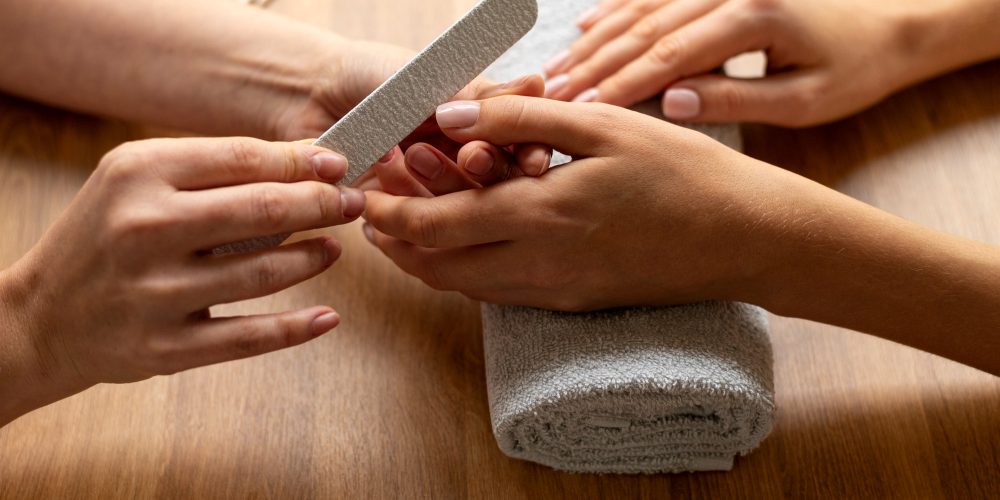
819,54
119,289
664,215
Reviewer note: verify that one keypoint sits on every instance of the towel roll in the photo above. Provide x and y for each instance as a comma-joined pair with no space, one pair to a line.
639,390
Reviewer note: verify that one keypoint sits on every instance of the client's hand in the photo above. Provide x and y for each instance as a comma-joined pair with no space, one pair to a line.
828,58
119,288
649,213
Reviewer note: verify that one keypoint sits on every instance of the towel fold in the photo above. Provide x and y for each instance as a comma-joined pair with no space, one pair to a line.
640,390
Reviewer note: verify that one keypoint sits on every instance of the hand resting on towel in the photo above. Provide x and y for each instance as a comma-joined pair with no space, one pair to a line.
653,214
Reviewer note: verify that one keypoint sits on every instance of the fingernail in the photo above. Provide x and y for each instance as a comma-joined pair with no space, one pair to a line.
329,165
589,16
481,163
515,82
555,65
554,85
587,95
332,249
387,157
458,114
425,163
352,202
369,232
681,104
324,323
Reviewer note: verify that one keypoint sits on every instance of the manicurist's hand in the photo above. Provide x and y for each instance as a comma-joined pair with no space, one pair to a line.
652,214
119,288
826,59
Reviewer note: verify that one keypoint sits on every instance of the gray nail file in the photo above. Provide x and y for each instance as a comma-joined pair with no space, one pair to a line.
412,95
443,69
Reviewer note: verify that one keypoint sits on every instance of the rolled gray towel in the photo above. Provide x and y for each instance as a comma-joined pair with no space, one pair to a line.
641,390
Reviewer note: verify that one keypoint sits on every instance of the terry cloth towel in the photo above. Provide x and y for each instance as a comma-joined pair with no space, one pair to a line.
640,390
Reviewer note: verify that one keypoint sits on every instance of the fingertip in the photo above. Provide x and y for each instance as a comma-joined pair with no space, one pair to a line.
352,202
332,248
327,320
681,104
327,165
369,231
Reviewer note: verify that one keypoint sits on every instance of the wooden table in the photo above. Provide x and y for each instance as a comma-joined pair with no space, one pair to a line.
394,403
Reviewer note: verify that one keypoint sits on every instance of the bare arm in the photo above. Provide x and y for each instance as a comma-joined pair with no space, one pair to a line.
207,66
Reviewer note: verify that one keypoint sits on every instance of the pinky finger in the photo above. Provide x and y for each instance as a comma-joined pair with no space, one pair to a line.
226,339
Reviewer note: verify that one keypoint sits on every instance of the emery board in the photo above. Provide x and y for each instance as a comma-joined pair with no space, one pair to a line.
397,107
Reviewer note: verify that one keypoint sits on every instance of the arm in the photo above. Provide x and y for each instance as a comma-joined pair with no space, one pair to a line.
207,66
653,214
119,289
827,58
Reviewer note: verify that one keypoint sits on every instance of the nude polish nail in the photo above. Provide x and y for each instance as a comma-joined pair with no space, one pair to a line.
681,104
554,85
324,323
587,95
555,65
458,114
589,16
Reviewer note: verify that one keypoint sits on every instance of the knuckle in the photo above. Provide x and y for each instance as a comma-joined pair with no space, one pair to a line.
124,162
158,355
250,340
269,208
667,50
246,154
132,225
647,30
732,98
266,275
327,200
422,227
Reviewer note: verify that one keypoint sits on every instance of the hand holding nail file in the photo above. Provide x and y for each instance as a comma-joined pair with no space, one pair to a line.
412,95
443,69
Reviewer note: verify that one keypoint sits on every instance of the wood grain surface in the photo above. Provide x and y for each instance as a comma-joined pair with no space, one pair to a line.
393,403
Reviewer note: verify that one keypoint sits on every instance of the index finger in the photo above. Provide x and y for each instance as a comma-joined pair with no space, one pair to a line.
205,163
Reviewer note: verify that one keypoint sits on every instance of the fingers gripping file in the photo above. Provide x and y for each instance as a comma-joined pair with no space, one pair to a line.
408,98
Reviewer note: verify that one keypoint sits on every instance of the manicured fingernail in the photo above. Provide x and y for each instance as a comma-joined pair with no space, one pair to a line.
554,85
425,163
515,82
587,95
352,202
369,232
324,323
329,165
555,65
481,163
458,114
681,104
387,157
590,15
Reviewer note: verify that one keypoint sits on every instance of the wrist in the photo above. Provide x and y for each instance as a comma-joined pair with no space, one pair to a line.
30,377
936,37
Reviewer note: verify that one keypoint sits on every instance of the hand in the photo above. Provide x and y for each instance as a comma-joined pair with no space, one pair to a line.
434,164
827,59
650,213
119,288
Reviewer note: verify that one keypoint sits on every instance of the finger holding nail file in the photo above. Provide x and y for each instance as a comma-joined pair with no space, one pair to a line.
407,99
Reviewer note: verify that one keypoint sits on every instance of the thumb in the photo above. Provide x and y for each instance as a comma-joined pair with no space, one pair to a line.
777,100
573,128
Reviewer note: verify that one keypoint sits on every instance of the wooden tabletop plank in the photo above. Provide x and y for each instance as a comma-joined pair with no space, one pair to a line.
393,403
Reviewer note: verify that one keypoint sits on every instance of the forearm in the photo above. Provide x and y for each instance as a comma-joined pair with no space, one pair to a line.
206,66
841,262
943,35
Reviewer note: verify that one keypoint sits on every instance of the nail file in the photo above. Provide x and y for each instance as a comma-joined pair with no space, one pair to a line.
395,109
